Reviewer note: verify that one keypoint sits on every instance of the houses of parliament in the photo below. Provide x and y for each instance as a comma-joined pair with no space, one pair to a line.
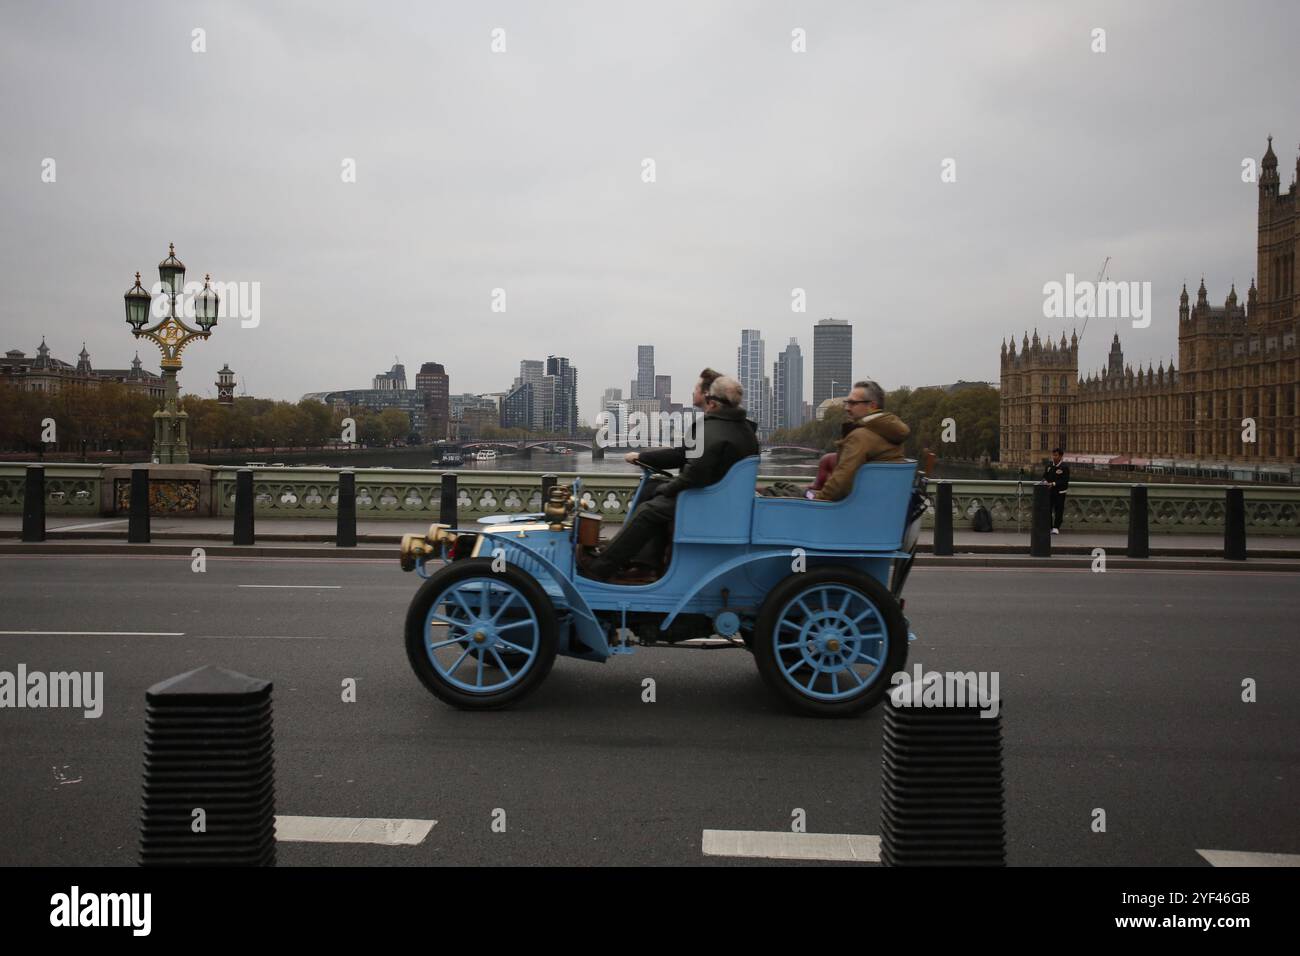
1236,362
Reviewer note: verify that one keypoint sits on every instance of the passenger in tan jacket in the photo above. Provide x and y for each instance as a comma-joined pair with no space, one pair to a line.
877,435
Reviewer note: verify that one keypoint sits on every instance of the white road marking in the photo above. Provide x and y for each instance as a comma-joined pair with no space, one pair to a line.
310,587
783,845
101,633
265,637
351,830
82,527
1241,858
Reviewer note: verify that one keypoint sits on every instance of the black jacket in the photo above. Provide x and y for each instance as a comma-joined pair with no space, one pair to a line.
727,437
1058,475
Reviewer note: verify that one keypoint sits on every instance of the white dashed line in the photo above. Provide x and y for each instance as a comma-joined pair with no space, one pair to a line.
352,830
781,845
99,633
297,587
1240,858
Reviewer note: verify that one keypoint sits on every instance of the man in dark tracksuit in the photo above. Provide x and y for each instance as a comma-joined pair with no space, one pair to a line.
1057,477
726,437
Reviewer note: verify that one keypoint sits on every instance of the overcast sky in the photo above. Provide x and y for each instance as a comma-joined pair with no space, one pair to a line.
522,170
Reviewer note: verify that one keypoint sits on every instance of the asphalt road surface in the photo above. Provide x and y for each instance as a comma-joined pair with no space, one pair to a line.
1122,691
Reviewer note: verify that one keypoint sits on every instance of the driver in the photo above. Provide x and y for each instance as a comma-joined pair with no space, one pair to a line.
727,436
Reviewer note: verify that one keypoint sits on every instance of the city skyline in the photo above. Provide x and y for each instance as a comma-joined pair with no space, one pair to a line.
1107,156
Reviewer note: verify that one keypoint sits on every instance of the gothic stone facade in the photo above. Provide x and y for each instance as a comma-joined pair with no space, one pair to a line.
1234,362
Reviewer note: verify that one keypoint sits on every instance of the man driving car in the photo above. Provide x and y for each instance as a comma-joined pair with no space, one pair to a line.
726,437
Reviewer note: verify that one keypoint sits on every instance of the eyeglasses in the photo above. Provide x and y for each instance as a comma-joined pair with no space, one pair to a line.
857,401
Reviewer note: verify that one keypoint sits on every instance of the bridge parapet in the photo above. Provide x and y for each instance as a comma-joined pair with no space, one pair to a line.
415,494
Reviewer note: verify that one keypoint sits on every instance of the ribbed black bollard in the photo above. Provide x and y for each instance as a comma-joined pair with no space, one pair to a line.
1139,540
137,527
34,504
1040,529
447,509
1234,525
548,482
941,788
345,536
943,519
244,506
209,772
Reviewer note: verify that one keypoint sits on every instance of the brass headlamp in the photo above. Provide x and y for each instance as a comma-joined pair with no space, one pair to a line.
430,544
559,505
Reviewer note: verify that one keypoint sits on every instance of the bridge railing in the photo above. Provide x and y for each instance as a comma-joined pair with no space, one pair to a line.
415,495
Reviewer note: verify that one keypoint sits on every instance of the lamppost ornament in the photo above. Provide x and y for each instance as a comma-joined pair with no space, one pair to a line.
171,335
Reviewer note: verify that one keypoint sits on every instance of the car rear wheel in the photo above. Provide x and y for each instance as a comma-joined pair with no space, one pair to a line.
828,640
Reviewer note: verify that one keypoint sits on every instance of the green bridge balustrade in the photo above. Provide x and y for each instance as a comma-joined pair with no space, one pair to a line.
415,495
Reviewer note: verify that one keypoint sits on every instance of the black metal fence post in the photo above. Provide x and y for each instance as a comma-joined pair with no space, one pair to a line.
244,533
34,504
1040,528
447,507
209,771
1139,539
345,535
137,527
1234,525
943,519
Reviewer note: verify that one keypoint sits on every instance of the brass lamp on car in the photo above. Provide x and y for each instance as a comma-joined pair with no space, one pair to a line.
430,544
558,506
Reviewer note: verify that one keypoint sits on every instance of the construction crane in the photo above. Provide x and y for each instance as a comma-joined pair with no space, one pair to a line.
1097,283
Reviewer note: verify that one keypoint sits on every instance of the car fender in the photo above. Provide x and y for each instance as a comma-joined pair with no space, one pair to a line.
749,557
585,626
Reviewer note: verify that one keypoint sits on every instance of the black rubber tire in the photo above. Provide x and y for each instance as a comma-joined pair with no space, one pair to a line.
445,577
765,653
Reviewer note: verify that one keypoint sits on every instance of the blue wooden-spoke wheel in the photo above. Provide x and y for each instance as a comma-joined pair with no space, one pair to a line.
470,637
480,638
828,640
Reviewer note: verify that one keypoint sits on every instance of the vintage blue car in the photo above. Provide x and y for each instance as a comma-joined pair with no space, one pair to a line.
811,588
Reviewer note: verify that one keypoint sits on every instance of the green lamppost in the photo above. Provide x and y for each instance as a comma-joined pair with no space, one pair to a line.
171,335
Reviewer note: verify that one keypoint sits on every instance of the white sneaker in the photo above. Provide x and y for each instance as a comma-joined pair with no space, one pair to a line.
1056,531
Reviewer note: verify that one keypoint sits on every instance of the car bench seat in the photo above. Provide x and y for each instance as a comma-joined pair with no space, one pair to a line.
871,518
719,513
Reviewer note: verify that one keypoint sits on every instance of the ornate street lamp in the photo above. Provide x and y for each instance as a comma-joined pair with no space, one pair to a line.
171,335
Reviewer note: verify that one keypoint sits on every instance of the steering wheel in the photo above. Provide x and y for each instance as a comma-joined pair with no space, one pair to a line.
653,470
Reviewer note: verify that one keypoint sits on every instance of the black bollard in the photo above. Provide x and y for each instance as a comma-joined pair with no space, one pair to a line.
597,451
83,449
209,771
943,519
447,509
1234,525
941,788
34,504
137,527
1139,540
244,506
346,534
1040,529
548,482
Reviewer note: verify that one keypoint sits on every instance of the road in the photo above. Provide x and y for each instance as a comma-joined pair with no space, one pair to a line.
1122,691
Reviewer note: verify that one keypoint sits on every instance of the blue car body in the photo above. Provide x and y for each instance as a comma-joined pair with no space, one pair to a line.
732,549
